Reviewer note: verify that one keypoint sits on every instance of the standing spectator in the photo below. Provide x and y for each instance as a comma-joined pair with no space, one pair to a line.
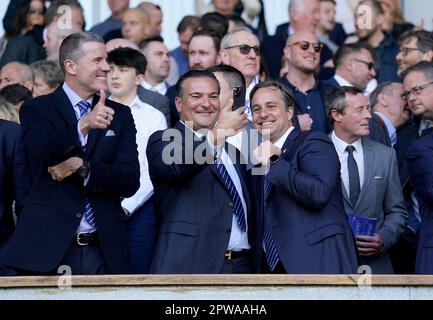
158,67
84,160
127,68
300,226
394,23
136,25
369,175
155,13
329,31
118,8
55,35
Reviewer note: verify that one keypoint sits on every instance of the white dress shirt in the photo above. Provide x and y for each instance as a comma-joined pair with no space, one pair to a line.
370,86
358,155
255,81
75,99
147,120
238,239
160,88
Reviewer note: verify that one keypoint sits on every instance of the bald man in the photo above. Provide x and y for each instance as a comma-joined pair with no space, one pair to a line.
17,73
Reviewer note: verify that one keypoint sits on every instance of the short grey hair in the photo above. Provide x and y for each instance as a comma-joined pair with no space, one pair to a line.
425,67
296,5
336,99
383,88
49,71
71,47
225,41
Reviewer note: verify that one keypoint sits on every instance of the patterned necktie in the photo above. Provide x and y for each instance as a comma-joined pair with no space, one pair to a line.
89,213
237,203
272,257
354,184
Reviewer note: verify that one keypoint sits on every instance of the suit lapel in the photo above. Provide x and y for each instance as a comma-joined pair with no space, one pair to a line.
64,106
94,134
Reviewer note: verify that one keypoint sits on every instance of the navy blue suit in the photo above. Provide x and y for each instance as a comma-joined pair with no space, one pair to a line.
194,208
307,218
419,161
15,180
53,210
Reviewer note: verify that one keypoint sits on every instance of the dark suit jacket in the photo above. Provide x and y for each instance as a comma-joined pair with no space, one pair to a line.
378,130
156,100
15,178
420,157
194,208
53,210
307,217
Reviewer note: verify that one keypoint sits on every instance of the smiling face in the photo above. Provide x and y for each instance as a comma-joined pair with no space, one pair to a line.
199,102
327,16
304,60
270,112
352,123
88,75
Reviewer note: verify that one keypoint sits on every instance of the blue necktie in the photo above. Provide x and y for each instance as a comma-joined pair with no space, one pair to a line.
354,184
237,203
268,242
89,213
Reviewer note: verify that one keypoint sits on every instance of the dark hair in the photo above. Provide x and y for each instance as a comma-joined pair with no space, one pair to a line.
336,99
425,67
20,20
187,22
215,22
53,10
128,57
216,39
49,71
71,46
333,1
286,94
424,39
15,93
145,43
194,74
348,49
237,20
232,75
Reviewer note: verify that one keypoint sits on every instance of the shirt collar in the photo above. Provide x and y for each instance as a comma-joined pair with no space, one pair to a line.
341,145
280,142
160,87
342,82
388,123
73,97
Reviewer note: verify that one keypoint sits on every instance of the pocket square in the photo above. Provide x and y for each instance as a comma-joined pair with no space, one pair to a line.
378,177
110,133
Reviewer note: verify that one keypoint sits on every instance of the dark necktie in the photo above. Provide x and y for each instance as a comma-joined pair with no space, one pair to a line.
268,242
238,210
354,184
89,213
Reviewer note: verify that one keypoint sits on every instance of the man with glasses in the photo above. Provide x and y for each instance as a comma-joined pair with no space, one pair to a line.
415,46
240,48
302,52
354,67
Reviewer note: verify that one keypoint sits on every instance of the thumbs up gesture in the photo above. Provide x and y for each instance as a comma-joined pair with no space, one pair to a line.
99,118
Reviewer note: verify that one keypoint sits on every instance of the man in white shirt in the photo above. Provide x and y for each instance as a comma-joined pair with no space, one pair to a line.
370,180
158,65
127,68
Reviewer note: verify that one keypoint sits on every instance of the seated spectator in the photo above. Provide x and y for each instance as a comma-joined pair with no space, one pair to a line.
16,94
48,77
17,72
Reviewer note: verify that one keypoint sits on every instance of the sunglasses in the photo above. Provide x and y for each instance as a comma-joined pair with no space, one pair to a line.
35,10
245,49
305,45
415,90
370,65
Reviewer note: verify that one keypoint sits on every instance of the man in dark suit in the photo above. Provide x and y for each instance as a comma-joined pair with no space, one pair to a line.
83,160
369,175
156,100
15,183
420,157
203,206
300,226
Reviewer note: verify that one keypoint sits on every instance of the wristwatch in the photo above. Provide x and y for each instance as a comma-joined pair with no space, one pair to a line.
84,170
274,158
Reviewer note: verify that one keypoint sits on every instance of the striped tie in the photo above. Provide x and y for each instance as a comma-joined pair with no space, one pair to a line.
268,242
89,213
237,203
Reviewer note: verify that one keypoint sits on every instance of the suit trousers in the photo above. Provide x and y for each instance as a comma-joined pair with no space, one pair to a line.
142,237
237,266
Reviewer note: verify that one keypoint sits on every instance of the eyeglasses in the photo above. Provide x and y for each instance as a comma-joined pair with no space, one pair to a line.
245,49
35,10
415,90
305,45
370,65
405,50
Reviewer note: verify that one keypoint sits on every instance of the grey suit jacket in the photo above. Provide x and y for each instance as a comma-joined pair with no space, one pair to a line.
156,100
381,197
